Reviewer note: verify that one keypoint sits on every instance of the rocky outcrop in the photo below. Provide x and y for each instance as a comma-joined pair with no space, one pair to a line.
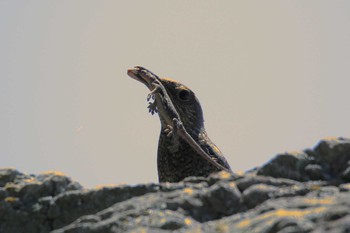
306,191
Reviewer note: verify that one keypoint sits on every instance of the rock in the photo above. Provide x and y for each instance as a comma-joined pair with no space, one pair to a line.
9,176
25,199
287,165
346,173
225,198
329,161
306,191
258,193
314,171
334,157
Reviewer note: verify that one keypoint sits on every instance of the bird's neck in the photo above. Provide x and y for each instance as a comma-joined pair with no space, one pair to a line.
197,131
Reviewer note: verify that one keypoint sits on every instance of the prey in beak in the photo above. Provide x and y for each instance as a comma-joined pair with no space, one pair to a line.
144,76
150,80
161,101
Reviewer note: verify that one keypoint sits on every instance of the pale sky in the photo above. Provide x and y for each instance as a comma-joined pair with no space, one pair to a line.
272,76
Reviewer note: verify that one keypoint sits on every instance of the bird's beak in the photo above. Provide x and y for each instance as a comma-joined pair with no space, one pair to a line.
144,76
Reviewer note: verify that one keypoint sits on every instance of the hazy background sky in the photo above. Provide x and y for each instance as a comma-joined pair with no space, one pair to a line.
272,76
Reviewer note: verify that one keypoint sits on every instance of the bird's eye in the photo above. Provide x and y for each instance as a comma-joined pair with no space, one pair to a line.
184,95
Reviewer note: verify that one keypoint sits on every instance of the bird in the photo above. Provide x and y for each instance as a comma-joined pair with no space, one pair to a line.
176,158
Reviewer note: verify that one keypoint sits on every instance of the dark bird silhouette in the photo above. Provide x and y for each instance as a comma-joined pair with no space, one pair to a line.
177,159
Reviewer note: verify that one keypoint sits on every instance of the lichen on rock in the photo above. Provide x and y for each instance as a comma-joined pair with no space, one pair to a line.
306,191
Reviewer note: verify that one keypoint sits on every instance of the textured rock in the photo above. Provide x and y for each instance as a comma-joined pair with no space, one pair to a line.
329,161
295,192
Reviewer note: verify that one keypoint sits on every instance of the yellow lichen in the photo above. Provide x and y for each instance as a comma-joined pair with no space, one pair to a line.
29,180
188,191
188,221
232,185
324,201
222,228
294,152
139,230
244,223
11,199
55,173
162,220
261,186
331,138
288,213
280,213
224,175
98,187
315,187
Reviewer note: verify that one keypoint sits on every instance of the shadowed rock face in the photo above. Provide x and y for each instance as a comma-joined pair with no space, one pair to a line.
306,191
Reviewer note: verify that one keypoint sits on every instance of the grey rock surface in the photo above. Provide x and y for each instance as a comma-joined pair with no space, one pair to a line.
306,191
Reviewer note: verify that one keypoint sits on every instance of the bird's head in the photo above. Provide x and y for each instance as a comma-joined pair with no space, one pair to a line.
185,102
183,99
